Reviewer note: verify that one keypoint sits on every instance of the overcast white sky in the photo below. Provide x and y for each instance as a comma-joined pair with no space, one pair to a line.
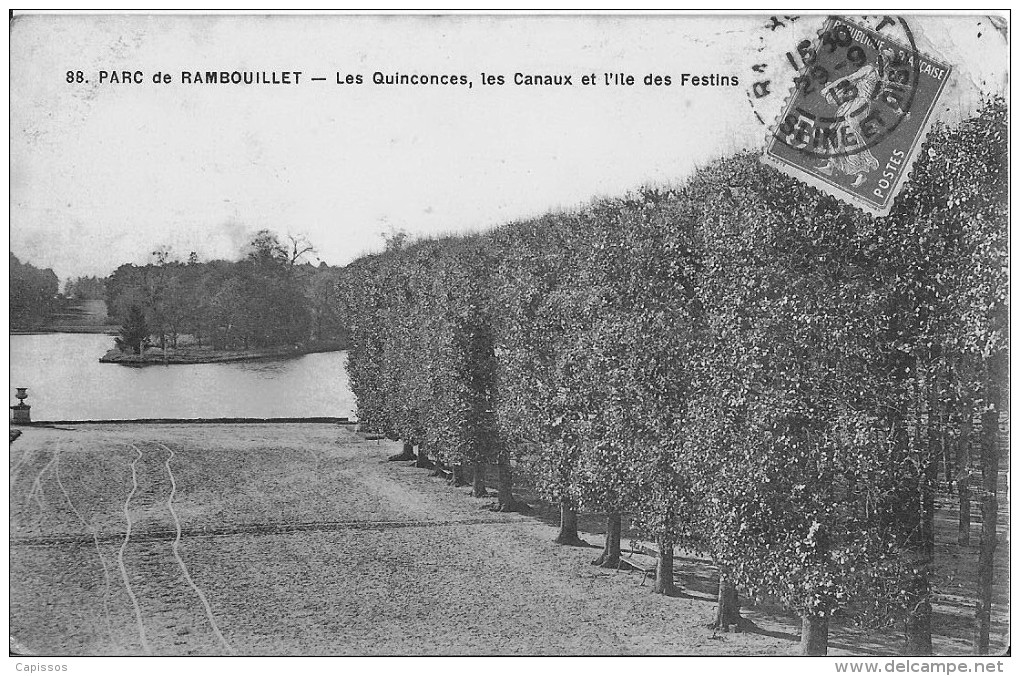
102,174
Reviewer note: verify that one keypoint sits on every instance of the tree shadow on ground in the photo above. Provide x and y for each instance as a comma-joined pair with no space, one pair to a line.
697,578
749,626
697,575
549,514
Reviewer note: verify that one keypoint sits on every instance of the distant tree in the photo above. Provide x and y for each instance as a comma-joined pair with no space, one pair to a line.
226,318
321,293
271,297
265,249
133,332
394,238
275,305
163,254
85,288
298,246
168,304
32,293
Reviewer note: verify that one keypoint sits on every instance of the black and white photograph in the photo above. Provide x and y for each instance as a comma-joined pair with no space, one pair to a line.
509,333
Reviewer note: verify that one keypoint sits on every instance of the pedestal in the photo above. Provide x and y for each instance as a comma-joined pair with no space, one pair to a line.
22,414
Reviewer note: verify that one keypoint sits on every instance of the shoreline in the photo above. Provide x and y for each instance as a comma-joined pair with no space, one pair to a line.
157,358
94,330
68,315
311,420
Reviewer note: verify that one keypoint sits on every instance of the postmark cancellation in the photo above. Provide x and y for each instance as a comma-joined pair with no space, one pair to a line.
858,113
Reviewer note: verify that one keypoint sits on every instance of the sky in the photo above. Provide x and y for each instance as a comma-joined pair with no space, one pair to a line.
102,174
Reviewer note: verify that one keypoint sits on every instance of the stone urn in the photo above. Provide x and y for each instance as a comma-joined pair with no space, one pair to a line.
22,411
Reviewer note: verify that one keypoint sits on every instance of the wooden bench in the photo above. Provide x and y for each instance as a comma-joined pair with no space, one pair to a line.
367,434
646,568
445,470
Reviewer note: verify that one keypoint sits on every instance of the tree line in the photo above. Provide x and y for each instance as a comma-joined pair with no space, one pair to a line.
270,298
85,288
33,294
742,365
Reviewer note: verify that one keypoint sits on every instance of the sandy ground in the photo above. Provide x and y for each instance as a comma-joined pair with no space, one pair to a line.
302,540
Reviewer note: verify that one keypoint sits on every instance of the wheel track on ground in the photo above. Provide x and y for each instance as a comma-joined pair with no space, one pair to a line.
177,555
36,489
21,461
173,615
95,541
25,460
123,546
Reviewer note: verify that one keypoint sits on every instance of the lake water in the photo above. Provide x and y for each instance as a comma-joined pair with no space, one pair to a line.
65,381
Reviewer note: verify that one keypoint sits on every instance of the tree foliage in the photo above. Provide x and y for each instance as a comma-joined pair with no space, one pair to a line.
269,298
743,364
32,293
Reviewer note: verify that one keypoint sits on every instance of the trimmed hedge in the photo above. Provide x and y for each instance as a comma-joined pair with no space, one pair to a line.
745,365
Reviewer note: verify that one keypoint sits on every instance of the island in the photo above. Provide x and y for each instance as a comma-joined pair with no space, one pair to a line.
193,354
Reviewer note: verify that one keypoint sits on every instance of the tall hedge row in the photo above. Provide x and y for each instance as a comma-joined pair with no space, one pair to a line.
741,365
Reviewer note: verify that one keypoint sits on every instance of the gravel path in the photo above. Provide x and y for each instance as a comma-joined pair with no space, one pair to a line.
302,540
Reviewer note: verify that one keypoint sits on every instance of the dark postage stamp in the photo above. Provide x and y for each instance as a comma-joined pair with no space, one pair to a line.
861,105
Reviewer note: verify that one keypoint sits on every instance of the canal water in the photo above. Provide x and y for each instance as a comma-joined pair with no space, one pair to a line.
65,381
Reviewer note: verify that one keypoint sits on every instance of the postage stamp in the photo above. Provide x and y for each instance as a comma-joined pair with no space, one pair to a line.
860,108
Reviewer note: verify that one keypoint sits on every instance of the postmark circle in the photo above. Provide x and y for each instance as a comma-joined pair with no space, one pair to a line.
870,101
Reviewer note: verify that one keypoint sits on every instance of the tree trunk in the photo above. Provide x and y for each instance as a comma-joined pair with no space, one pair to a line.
918,624
989,511
457,475
920,542
945,425
506,502
917,627
437,467
664,569
928,488
478,478
963,471
422,461
727,612
931,473
568,526
814,635
610,557
407,453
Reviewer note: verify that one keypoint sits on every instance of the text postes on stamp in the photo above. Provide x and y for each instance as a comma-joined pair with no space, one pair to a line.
859,111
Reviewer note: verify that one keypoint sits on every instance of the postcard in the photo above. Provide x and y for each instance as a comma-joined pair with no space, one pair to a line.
506,334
